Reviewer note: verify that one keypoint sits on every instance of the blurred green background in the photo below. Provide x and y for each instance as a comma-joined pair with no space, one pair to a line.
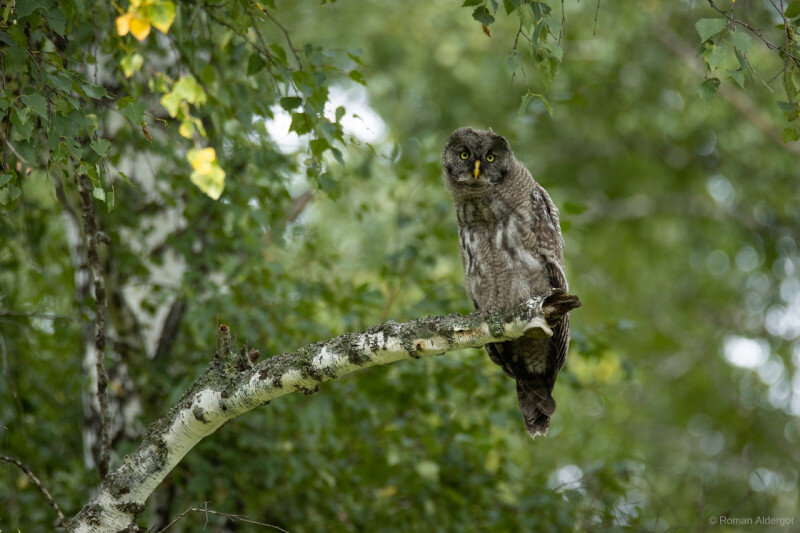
681,393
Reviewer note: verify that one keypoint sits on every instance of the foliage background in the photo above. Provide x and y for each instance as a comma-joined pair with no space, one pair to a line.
680,212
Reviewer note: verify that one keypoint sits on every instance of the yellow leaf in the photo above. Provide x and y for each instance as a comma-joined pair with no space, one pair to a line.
186,129
386,492
608,369
211,183
131,64
207,175
201,160
124,24
492,462
140,28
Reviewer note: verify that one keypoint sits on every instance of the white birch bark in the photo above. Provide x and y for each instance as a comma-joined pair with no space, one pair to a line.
232,385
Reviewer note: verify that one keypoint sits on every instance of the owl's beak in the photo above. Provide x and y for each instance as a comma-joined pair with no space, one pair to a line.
477,169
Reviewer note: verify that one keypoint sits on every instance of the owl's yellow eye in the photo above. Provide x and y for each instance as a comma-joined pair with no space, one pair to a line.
464,154
490,158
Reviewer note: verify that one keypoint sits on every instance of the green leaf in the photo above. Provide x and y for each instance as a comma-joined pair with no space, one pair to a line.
125,101
338,156
161,15
523,107
510,5
185,89
61,81
789,135
13,192
789,107
526,17
132,110
99,193
737,76
318,147
526,100
354,54
339,113
318,98
708,89
23,126
29,6
555,51
290,102
792,10
713,56
540,9
708,28
280,53
468,3
329,186
101,146
739,40
94,91
5,178
305,81
357,77
301,123
482,15
255,64
547,67
55,19
37,103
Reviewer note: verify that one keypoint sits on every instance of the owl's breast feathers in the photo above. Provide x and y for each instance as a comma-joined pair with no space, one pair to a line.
512,250
510,242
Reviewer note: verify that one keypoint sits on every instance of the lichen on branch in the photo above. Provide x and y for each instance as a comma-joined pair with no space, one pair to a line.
233,384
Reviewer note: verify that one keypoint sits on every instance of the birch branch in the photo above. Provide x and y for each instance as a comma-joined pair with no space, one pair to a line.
46,493
232,385
92,240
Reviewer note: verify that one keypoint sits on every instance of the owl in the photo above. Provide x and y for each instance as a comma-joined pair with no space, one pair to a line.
512,250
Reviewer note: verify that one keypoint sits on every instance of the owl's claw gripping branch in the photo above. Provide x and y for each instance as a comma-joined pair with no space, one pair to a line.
235,383
558,304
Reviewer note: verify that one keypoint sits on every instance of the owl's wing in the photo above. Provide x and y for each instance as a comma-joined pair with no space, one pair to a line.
550,244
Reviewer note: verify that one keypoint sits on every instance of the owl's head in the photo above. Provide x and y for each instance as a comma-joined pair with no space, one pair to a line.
476,160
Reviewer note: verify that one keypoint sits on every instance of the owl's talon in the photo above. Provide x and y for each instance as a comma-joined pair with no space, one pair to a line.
558,304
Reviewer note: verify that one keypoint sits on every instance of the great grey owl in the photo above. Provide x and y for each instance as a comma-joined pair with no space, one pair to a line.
512,250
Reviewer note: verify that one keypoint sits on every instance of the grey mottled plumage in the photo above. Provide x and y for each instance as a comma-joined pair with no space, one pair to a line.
512,250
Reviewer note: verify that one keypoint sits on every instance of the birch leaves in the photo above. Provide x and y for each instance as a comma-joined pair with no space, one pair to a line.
141,15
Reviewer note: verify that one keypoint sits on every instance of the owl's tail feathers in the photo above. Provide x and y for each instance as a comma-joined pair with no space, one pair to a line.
537,405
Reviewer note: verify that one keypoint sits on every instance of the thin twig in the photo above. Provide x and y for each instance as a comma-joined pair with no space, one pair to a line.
596,12
207,512
46,316
755,32
35,480
288,40
746,107
7,373
13,150
222,22
6,123
258,34
514,53
91,233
